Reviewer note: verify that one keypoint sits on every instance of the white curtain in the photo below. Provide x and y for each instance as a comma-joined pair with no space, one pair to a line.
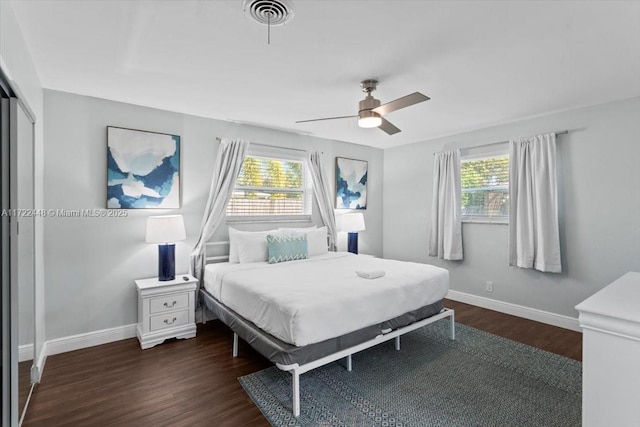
445,231
227,167
322,190
534,240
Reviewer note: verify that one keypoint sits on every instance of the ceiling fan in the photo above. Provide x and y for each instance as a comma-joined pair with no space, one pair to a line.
370,112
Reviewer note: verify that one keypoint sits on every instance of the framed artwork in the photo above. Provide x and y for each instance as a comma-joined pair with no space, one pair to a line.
143,169
351,183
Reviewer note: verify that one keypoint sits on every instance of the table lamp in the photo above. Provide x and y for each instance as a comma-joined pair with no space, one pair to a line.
351,223
165,230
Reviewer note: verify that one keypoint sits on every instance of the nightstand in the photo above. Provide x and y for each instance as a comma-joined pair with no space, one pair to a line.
166,309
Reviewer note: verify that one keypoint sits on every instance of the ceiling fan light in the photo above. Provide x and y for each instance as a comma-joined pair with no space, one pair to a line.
369,119
369,122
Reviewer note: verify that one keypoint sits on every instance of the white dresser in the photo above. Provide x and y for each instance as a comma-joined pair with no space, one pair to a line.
166,309
610,321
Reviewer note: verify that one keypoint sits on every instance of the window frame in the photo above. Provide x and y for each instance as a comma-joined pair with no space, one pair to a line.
280,154
483,153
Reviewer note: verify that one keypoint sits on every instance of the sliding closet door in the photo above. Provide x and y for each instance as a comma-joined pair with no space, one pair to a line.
17,235
7,333
18,259
23,243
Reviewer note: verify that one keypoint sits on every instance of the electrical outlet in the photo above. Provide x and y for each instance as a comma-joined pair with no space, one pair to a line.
489,287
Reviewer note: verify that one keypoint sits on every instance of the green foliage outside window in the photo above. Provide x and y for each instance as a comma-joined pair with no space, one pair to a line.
270,174
485,186
250,175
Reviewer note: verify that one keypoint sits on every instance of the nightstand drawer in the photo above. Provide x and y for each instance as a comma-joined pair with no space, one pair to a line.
169,320
168,302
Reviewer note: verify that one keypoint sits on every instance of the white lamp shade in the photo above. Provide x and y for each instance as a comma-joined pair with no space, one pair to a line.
165,229
351,222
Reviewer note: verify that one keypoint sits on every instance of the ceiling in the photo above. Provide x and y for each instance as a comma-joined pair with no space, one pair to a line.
482,63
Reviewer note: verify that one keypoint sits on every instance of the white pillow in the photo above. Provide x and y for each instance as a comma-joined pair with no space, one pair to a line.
317,241
316,238
245,239
233,244
252,247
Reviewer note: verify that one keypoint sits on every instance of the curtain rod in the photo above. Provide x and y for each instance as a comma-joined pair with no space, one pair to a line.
560,132
219,139
276,146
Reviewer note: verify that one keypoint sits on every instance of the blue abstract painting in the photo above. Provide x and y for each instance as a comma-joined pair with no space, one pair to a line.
351,183
143,169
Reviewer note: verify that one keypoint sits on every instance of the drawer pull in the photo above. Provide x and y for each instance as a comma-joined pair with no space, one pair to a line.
166,321
165,303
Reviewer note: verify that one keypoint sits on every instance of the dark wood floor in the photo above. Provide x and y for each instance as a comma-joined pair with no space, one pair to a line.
24,383
194,382
550,338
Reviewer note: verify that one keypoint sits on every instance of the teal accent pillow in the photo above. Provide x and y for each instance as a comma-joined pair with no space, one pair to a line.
287,248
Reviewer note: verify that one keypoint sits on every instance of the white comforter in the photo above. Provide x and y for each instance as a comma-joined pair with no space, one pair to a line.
308,301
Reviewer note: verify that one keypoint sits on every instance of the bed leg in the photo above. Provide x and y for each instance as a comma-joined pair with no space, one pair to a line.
295,380
397,342
453,325
235,345
349,363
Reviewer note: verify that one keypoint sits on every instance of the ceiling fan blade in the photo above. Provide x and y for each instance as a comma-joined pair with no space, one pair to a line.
388,127
405,101
326,118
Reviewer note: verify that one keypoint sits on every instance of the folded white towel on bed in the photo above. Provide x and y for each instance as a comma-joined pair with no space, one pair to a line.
370,274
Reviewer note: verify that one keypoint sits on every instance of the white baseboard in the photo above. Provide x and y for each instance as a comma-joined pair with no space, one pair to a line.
25,352
89,339
559,320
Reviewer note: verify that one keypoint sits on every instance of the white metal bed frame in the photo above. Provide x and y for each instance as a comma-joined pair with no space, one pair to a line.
296,369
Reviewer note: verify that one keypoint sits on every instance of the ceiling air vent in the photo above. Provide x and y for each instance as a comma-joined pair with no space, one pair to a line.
269,12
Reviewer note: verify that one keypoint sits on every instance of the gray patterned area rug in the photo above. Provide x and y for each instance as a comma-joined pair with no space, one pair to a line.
478,380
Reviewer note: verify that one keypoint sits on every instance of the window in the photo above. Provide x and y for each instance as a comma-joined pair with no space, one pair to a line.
485,188
272,188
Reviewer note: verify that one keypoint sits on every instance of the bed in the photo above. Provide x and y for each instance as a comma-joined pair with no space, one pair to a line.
304,314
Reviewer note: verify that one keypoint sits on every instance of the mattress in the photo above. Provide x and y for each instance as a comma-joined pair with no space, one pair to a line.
309,301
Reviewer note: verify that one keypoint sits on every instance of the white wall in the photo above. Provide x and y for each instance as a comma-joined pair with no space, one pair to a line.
91,263
599,201
17,64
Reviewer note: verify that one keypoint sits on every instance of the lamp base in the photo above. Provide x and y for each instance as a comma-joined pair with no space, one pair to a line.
352,243
166,262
